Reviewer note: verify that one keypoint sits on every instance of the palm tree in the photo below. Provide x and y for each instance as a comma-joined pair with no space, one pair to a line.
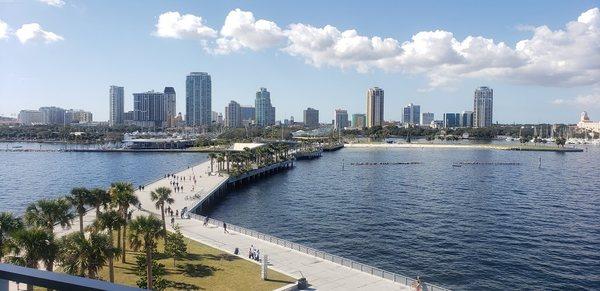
212,157
161,196
79,198
123,195
145,231
29,246
109,221
46,213
99,197
80,255
8,225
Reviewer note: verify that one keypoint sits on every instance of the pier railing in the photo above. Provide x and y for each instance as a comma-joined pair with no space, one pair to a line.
324,255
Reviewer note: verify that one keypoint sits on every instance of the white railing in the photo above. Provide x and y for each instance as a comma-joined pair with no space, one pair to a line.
323,255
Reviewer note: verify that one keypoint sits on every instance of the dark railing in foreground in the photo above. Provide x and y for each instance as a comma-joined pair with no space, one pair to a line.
51,280
323,255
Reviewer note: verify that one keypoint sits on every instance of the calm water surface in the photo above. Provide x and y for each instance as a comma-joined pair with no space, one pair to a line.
492,227
473,227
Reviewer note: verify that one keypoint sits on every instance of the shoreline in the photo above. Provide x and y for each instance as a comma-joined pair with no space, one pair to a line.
515,147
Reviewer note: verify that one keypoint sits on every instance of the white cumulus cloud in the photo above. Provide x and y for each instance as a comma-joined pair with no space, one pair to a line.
55,3
242,30
582,101
32,32
174,25
3,29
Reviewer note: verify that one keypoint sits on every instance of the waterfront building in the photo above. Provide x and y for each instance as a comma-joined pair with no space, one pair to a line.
466,119
149,109
170,106
128,116
341,119
586,124
78,116
29,117
483,107
265,112
451,120
411,114
116,97
427,118
52,115
233,114
217,118
311,117
198,99
359,120
248,114
437,124
375,100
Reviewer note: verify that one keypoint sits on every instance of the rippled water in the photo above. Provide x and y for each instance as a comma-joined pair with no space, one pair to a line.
29,176
492,227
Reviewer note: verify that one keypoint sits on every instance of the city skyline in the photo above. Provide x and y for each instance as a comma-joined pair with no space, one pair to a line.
237,72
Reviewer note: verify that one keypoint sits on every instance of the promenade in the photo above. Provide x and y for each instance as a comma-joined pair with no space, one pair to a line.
320,273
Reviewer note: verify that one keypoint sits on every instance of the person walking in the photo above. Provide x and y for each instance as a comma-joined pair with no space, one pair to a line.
225,228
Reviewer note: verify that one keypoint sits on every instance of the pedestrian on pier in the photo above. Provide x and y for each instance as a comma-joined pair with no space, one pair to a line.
172,221
225,228
205,221
177,212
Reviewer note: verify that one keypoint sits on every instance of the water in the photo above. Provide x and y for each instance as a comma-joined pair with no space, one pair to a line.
468,228
29,176
492,227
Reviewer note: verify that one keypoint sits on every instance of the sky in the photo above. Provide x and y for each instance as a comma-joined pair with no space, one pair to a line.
542,58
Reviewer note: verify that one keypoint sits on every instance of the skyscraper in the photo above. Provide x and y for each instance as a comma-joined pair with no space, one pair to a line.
233,114
359,120
170,106
311,117
466,119
265,112
483,107
198,98
248,114
149,109
341,119
452,120
375,107
116,95
427,118
411,114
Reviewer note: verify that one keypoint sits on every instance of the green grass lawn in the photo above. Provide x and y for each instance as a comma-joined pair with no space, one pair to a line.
204,268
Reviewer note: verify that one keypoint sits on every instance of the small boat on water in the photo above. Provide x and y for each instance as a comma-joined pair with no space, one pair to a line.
456,165
17,147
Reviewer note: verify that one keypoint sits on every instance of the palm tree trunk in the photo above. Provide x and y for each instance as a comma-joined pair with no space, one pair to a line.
97,210
149,267
119,237
124,237
162,212
111,267
81,222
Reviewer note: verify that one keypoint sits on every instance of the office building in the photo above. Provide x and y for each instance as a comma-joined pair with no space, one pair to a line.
29,117
170,106
341,119
233,114
265,112
466,119
411,114
375,100
427,118
311,117
128,116
116,96
149,109
198,99
451,120
78,116
217,118
248,114
52,115
483,107
359,120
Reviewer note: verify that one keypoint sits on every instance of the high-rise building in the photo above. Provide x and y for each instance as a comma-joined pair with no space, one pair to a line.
451,120
311,117
375,107
217,118
248,114
341,119
466,119
427,118
233,114
483,107
52,115
198,99
411,114
78,116
149,109
128,117
359,120
116,97
265,112
170,106
29,117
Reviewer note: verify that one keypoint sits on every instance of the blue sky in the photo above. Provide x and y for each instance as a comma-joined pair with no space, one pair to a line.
96,44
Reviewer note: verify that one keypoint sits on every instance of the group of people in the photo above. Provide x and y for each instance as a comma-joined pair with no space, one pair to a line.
254,253
177,179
